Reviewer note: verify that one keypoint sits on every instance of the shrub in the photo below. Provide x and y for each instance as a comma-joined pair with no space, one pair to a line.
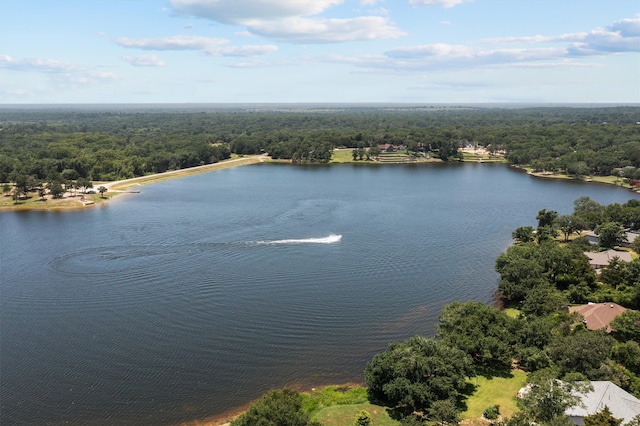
491,412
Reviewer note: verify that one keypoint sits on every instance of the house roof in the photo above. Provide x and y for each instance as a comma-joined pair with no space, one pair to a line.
603,258
622,404
595,238
598,315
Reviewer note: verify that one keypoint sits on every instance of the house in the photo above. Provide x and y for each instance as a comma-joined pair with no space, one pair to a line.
631,236
388,147
595,239
592,237
601,259
597,316
622,404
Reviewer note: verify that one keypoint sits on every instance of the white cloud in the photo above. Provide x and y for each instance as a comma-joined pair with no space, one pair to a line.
179,42
621,36
303,30
443,3
211,46
144,60
291,20
63,72
238,11
552,51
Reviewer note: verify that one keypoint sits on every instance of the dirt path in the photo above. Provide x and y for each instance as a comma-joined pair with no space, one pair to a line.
128,184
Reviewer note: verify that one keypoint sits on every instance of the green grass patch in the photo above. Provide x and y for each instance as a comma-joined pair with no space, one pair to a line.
501,391
338,406
333,395
512,312
341,415
342,155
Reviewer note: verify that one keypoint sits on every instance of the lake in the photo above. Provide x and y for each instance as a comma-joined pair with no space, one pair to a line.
197,295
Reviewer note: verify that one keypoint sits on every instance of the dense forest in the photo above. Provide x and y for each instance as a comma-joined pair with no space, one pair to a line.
112,143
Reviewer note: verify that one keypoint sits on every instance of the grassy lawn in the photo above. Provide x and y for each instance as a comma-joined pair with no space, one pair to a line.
339,405
341,415
342,155
500,391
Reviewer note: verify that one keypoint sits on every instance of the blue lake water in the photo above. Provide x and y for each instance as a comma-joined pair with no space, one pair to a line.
199,294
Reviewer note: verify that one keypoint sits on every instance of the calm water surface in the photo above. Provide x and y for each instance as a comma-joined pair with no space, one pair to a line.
197,295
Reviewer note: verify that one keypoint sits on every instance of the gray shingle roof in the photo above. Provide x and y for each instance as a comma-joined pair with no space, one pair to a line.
621,403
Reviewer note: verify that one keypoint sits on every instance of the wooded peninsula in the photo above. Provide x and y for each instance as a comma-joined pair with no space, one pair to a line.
53,151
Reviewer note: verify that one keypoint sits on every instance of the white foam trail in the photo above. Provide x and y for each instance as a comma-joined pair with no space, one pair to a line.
333,238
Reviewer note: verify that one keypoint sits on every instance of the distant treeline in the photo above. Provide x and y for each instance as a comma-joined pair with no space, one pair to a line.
113,144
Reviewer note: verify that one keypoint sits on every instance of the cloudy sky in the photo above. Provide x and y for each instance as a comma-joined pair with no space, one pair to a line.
418,51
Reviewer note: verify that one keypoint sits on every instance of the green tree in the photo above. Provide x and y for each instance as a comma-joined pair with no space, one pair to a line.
363,418
276,408
611,234
546,398
444,413
523,234
56,190
84,184
546,233
582,352
102,190
569,224
519,270
485,333
543,300
626,326
628,354
546,218
590,211
602,418
413,374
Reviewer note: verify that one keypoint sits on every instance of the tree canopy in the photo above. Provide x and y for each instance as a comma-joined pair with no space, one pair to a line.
276,408
414,374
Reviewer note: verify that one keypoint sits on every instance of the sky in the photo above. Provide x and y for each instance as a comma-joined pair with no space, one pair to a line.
319,51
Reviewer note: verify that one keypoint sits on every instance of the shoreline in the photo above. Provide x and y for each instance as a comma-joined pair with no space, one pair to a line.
126,186
605,180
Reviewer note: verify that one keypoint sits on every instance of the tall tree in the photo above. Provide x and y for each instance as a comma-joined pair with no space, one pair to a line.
569,224
546,398
611,234
413,374
546,218
276,408
485,333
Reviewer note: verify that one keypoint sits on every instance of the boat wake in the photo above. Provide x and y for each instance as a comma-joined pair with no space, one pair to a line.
333,238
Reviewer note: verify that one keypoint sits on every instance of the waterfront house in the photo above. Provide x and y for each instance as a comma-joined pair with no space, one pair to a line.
601,259
596,316
622,404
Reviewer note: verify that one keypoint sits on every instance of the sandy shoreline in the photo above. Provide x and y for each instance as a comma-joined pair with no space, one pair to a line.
81,201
